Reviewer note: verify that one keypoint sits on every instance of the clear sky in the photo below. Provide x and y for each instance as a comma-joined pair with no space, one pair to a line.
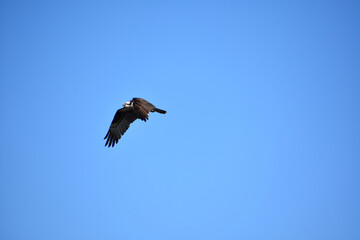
261,139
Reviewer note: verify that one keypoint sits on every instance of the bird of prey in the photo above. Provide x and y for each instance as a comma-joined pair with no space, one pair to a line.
132,110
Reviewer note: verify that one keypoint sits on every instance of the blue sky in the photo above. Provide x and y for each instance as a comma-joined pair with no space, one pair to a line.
261,139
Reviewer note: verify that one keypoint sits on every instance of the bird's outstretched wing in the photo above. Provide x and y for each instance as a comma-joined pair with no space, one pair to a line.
121,122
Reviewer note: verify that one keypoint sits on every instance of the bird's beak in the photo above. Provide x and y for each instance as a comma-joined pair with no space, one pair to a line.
127,104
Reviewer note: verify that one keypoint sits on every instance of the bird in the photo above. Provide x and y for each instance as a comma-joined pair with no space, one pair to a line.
137,108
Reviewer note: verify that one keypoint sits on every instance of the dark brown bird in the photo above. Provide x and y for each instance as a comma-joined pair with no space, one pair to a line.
132,110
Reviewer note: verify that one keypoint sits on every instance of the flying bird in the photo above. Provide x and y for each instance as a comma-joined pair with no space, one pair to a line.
132,110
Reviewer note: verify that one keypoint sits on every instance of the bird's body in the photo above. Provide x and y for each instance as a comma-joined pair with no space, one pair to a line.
132,110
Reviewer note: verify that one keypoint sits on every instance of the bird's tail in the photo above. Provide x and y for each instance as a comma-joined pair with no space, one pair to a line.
159,110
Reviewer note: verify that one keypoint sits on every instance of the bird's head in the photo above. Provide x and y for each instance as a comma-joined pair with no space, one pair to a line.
128,104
